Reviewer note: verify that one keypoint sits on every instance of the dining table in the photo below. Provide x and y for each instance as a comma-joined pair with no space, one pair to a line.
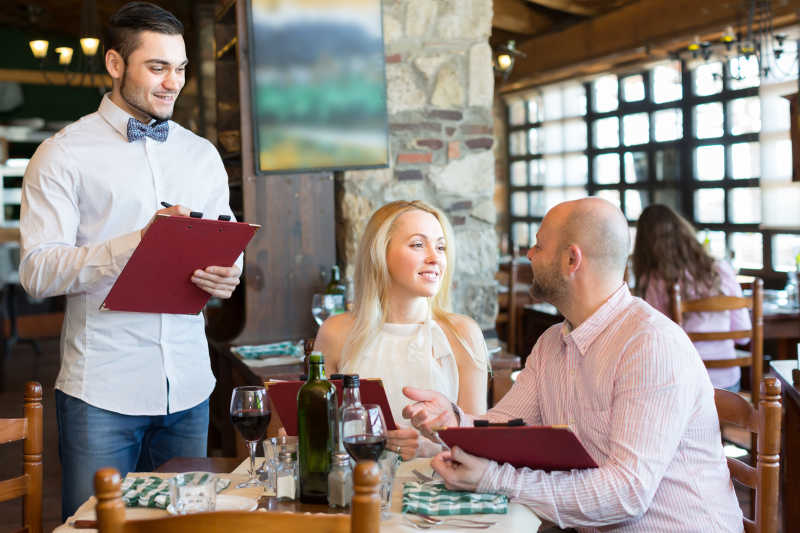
518,517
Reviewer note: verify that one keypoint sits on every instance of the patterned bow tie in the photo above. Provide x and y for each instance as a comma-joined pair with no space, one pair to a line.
157,132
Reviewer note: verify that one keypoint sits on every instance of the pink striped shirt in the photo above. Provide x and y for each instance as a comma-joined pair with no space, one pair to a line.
632,387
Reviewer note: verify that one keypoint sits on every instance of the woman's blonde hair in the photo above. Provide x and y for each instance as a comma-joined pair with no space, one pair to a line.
372,277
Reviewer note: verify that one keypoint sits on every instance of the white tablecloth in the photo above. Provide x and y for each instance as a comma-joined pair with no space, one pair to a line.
519,518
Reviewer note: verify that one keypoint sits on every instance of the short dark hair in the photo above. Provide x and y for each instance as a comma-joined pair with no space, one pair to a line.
124,26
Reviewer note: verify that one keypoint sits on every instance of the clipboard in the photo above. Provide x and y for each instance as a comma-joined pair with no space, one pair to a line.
157,277
537,447
283,395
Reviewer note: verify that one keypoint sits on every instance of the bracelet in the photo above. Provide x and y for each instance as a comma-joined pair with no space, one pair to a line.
457,412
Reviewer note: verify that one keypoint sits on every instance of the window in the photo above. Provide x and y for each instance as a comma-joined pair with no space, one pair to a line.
687,138
547,146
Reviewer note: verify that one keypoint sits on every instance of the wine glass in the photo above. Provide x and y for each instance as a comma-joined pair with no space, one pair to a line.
364,437
250,416
363,431
322,306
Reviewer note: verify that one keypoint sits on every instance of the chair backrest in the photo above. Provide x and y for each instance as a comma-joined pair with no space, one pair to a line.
515,279
364,515
28,486
729,303
764,421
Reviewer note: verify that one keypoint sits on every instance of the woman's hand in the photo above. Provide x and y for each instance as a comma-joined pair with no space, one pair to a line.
403,442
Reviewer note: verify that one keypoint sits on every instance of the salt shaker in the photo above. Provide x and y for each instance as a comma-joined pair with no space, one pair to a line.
340,482
286,477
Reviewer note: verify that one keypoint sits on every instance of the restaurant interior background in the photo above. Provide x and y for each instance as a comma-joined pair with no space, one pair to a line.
637,101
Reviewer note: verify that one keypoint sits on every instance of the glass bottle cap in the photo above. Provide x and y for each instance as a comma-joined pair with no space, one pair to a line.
351,381
340,458
316,357
285,457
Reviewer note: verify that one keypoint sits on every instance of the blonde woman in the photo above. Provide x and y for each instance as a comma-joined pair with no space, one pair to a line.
400,329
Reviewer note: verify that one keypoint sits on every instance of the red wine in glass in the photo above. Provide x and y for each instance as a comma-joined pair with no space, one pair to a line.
251,424
250,414
365,447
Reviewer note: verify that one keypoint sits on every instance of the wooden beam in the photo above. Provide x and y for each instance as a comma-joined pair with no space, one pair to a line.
38,77
637,27
567,6
519,17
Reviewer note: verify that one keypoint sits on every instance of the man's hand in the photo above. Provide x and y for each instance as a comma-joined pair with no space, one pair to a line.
404,442
431,411
460,470
217,281
174,211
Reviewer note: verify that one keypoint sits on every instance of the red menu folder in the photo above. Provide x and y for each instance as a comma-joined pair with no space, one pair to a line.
537,447
284,397
156,279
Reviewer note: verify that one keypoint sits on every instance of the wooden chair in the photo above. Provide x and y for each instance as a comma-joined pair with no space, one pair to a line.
365,514
755,358
765,423
28,486
515,278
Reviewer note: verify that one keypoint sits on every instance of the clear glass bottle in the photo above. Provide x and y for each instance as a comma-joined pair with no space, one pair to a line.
351,395
340,482
286,477
266,473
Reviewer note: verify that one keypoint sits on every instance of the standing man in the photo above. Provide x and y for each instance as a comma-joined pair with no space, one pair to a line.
133,388
624,377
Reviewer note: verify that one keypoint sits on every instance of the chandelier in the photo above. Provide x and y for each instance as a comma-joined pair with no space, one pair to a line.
756,39
86,64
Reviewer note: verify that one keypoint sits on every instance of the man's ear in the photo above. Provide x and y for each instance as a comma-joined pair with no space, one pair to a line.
574,259
115,65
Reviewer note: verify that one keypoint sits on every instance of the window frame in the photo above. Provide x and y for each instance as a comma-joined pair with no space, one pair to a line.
686,185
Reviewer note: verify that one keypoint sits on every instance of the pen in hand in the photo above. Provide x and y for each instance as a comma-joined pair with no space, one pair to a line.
166,204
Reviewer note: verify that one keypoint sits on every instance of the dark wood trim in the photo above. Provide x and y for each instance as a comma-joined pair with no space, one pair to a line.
653,27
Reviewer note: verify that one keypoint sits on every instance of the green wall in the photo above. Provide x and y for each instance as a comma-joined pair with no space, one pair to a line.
48,102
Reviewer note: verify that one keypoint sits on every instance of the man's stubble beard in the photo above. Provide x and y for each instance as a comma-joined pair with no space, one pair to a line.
548,286
131,100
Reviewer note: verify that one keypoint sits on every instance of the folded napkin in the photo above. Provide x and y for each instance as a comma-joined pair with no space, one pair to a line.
435,500
269,350
154,491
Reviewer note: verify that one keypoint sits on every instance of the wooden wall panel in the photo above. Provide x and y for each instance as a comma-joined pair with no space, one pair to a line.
297,239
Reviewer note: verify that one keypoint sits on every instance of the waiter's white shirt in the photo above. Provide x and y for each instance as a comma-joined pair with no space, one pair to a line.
86,195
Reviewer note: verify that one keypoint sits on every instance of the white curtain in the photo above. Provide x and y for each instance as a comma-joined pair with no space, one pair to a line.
780,197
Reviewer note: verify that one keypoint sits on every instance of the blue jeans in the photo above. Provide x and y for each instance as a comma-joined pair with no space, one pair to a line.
90,438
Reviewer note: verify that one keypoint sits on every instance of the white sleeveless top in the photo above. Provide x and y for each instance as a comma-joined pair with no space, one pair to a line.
416,355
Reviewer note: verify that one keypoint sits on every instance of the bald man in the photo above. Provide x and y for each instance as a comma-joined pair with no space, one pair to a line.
627,381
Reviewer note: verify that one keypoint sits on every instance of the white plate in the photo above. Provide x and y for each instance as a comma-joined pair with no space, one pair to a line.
228,502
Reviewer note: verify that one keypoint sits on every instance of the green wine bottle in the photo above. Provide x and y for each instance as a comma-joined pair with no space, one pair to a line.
316,431
335,285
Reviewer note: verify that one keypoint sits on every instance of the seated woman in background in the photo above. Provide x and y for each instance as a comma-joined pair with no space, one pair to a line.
667,251
400,329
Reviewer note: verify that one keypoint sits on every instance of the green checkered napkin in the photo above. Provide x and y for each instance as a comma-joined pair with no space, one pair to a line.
154,491
435,500
262,351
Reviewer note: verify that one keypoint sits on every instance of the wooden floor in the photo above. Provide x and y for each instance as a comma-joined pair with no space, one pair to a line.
24,365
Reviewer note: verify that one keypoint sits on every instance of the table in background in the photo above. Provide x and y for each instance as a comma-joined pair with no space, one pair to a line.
518,518
790,443
782,326
231,372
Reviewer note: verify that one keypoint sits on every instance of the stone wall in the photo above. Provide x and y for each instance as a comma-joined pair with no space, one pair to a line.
440,89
